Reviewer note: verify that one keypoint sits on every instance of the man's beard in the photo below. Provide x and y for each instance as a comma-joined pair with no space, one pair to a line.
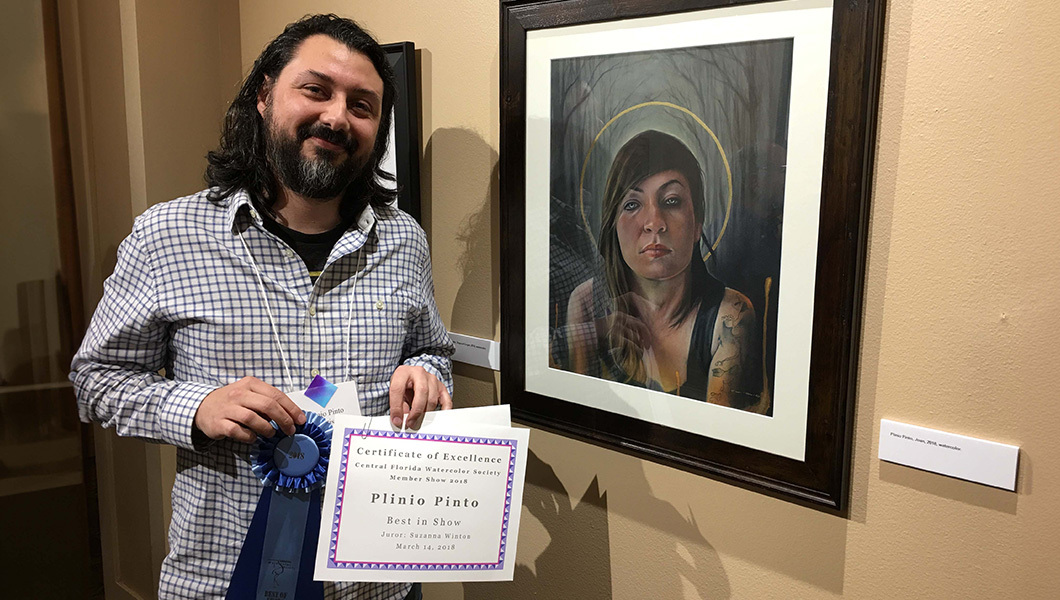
318,177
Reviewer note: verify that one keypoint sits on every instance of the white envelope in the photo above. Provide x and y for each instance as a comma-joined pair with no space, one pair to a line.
343,402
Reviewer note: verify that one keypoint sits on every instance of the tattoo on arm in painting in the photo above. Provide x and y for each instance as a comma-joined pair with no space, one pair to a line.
726,366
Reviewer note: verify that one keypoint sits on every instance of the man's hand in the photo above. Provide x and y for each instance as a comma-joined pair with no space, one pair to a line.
413,392
243,409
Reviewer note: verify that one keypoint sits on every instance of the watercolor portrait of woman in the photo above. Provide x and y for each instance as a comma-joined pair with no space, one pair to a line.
666,202
658,319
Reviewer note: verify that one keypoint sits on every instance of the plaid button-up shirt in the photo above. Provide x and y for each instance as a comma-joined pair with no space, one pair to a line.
185,297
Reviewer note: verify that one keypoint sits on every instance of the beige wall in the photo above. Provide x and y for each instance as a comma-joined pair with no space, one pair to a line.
959,329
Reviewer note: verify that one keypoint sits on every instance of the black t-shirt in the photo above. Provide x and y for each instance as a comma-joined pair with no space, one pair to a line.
312,248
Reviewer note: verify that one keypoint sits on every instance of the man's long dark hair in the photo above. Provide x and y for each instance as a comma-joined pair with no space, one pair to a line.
241,160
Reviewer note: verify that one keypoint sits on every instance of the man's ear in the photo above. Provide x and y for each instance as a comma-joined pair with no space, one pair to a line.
263,95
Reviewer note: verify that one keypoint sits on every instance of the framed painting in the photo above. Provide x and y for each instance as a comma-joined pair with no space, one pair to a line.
685,189
403,154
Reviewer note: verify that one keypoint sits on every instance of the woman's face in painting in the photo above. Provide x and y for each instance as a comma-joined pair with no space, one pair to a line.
657,227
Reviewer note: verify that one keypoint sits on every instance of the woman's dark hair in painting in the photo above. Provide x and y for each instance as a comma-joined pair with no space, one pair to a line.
644,155
241,161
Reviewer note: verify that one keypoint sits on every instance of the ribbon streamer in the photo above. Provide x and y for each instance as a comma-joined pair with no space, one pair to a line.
276,562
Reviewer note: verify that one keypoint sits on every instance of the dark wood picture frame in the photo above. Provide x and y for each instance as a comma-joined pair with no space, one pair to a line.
405,145
822,479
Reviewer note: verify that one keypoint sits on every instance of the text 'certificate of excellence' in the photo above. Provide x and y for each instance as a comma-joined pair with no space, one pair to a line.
438,504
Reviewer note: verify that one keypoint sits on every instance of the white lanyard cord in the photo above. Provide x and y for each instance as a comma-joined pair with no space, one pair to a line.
349,320
268,311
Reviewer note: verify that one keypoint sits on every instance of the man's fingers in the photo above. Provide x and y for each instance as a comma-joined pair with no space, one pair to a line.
268,408
399,382
420,390
437,398
446,400
237,432
242,410
440,398
433,394
288,405
413,392
278,407
252,421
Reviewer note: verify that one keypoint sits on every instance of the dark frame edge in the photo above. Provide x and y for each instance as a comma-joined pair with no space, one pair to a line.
780,490
407,127
511,176
875,16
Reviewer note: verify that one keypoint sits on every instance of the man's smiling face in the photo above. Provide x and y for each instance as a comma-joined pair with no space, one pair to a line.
321,117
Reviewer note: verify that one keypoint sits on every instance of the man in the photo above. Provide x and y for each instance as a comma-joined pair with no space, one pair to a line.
294,263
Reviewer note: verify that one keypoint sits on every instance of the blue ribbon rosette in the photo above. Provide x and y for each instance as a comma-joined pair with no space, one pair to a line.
276,561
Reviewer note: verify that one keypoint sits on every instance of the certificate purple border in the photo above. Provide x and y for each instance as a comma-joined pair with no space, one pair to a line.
336,522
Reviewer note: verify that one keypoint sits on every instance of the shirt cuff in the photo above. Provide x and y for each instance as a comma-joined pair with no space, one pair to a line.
177,414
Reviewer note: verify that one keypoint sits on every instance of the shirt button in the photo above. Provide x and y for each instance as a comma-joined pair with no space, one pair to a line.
379,305
253,214
315,372
312,311
288,253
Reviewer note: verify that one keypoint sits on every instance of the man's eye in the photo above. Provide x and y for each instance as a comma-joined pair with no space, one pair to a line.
315,90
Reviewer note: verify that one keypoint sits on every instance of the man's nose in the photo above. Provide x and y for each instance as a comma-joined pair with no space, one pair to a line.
335,114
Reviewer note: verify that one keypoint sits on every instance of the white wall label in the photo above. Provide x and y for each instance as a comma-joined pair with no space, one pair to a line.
477,351
960,456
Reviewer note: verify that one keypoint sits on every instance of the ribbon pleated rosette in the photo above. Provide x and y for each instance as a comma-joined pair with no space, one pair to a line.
277,556
279,465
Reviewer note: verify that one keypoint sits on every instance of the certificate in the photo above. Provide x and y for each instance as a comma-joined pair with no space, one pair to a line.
438,504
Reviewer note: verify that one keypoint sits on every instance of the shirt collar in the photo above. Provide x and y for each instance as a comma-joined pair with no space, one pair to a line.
366,220
240,199
239,203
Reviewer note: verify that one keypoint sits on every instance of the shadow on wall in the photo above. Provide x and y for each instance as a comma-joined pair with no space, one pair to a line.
465,155
956,490
683,563
575,563
663,553
666,558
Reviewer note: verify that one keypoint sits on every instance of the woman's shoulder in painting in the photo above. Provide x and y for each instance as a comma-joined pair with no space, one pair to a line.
736,305
580,305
